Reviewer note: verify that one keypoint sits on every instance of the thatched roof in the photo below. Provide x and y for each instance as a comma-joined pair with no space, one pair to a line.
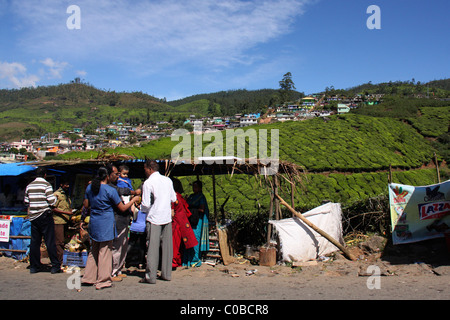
202,166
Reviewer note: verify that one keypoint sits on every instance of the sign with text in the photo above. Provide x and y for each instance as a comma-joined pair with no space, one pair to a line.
419,213
4,230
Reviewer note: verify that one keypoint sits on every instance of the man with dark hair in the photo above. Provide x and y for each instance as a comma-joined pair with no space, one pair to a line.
157,198
61,215
39,198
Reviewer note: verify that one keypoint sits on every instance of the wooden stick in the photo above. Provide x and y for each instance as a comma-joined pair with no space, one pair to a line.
318,230
269,227
20,237
437,168
13,250
277,203
214,193
390,174
292,194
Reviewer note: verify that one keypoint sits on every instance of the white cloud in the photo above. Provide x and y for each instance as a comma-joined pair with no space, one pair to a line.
55,67
81,73
16,75
156,33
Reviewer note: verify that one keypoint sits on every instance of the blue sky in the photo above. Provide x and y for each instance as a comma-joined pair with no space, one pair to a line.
174,49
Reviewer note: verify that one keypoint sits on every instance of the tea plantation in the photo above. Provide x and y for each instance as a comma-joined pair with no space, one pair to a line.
346,158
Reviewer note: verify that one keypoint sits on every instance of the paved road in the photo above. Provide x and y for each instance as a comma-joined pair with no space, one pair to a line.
208,283
225,292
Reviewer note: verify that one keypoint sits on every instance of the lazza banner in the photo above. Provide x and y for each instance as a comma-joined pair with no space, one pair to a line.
419,213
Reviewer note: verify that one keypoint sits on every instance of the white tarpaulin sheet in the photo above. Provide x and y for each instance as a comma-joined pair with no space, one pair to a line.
299,242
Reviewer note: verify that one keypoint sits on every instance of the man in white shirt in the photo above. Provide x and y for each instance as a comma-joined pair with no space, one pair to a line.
157,197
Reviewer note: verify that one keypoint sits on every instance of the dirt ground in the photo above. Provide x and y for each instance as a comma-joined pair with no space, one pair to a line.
407,272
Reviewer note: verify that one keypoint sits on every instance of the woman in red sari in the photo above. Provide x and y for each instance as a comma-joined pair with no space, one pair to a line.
183,236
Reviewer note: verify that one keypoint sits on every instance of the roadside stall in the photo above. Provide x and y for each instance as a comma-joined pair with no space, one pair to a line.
221,230
15,229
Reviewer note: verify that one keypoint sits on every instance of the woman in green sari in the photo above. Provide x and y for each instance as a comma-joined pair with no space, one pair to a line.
199,209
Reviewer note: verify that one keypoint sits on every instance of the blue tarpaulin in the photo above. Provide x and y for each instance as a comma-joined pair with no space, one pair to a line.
15,169
19,227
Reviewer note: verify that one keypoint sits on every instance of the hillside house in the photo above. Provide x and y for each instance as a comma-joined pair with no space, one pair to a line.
285,116
62,141
308,102
343,108
23,144
249,119
7,157
288,108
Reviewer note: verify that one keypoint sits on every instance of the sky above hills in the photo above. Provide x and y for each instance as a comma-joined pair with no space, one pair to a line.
174,49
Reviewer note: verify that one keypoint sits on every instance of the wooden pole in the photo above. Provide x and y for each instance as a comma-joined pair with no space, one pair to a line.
269,227
214,193
437,168
317,229
292,194
13,250
390,174
277,203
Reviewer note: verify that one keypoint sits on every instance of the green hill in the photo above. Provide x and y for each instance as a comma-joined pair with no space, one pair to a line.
435,88
350,143
67,106
430,117
346,158
63,107
230,102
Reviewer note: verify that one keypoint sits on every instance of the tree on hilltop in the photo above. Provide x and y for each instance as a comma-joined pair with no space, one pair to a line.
286,87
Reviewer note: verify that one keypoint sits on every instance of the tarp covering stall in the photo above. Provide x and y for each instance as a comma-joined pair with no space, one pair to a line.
301,243
16,245
19,242
15,169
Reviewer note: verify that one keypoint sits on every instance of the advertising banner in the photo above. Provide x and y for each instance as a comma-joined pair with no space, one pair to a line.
419,213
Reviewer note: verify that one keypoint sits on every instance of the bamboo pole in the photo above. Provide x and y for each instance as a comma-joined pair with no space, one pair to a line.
214,193
292,194
437,168
318,230
269,227
13,250
390,174
277,203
